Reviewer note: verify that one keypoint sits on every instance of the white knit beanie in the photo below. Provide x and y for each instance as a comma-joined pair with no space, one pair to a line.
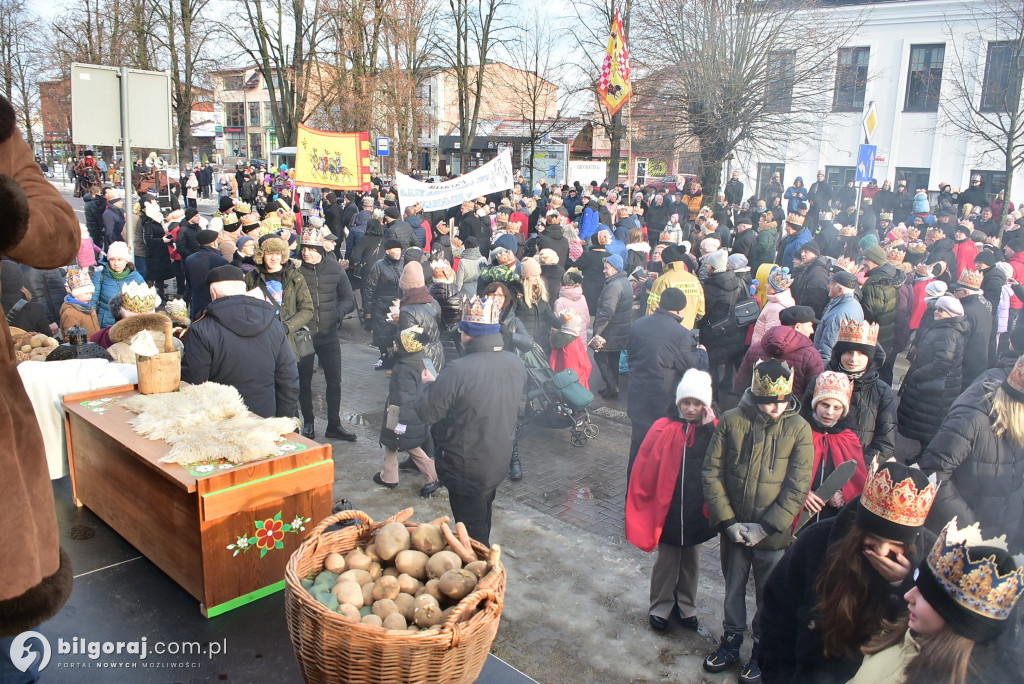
696,384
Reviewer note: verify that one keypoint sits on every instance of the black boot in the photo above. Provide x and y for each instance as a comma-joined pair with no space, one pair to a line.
336,431
727,653
751,672
307,430
515,468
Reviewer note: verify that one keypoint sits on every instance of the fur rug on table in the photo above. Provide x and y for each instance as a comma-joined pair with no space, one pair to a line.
206,422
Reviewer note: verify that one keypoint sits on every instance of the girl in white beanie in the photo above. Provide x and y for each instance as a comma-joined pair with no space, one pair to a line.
665,500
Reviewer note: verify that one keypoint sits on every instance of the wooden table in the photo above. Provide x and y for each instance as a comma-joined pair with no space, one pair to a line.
223,532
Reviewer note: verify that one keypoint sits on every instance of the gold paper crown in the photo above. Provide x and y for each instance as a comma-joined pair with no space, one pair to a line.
710,225
242,208
975,583
858,333
410,339
250,219
895,255
833,385
913,232
78,278
898,502
138,298
781,387
442,271
795,219
917,247
483,310
312,237
971,278
847,264
229,218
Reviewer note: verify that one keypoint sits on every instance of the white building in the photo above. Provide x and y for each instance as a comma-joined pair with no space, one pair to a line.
901,59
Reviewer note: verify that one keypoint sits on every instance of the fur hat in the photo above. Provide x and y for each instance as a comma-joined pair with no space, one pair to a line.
274,245
696,384
895,501
835,386
547,257
412,276
573,277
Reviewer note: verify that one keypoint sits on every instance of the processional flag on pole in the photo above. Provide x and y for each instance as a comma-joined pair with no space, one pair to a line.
614,86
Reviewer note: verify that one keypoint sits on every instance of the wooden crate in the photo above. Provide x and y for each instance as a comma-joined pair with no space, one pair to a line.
223,532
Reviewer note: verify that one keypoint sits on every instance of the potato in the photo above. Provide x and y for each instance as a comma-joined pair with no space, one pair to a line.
395,621
391,539
360,577
349,613
335,563
412,563
391,572
428,539
478,568
457,584
408,584
372,620
26,348
348,591
441,562
428,612
37,341
385,607
51,342
431,589
406,605
375,571
357,560
368,594
371,551
386,588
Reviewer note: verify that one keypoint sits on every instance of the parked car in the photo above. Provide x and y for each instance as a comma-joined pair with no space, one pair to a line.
676,183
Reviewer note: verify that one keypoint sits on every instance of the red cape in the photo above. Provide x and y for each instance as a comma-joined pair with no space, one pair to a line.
573,356
838,448
652,481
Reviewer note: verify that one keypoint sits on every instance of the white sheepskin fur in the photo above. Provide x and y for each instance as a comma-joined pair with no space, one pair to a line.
206,422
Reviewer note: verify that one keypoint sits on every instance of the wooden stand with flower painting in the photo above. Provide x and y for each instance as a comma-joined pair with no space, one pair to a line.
223,532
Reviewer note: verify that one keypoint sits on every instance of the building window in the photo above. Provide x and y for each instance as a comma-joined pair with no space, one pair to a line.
1004,67
234,82
992,181
272,140
268,115
234,143
839,176
917,179
851,79
255,146
782,67
764,176
234,114
924,78
254,113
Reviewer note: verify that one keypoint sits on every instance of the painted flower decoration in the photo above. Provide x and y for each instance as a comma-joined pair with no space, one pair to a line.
300,523
269,535
204,468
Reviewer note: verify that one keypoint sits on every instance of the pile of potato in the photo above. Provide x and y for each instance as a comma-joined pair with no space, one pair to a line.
401,581
32,346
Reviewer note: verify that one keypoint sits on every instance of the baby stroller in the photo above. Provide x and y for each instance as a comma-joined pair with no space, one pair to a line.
557,400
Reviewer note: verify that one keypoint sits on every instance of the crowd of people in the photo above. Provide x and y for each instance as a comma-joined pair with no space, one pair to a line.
759,339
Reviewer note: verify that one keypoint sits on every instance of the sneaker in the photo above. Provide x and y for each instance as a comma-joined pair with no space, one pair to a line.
727,653
751,673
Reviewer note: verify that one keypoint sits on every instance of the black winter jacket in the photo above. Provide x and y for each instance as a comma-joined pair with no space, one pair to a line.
240,342
95,205
880,299
934,380
591,265
872,415
197,270
380,289
426,316
791,648
473,407
746,244
47,288
159,266
978,314
553,238
810,285
614,312
538,320
187,243
332,295
403,388
982,475
689,527
718,332
402,231
660,351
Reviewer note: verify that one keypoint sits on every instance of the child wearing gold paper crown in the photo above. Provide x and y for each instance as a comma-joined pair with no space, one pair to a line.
756,477
962,597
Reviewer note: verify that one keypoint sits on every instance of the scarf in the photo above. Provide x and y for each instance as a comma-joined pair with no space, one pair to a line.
84,307
125,272
417,295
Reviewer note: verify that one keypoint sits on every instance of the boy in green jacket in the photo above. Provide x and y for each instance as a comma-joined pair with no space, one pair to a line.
757,474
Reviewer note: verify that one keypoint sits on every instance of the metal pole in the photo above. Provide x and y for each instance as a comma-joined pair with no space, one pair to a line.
856,213
126,151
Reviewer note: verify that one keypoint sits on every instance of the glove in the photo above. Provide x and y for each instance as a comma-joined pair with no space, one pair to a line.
597,342
735,532
754,534
400,429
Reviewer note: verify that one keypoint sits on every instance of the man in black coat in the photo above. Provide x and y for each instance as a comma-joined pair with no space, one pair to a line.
974,195
396,228
333,214
978,314
473,405
660,350
553,238
241,342
95,205
197,268
746,238
333,299
810,279
611,324
734,189
113,222
819,197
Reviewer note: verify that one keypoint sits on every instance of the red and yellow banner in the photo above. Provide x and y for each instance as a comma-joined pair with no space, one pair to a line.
339,161
614,86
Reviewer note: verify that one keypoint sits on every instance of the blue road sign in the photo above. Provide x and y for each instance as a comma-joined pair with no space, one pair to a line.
383,147
866,163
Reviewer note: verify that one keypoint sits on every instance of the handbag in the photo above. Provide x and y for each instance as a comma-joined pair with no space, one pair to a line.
746,312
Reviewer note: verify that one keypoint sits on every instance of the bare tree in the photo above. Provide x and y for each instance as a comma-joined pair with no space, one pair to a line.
473,29
990,112
282,38
20,62
726,73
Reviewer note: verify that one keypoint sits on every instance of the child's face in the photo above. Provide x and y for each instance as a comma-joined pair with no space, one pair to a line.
828,411
923,618
854,360
691,410
83,294
774,409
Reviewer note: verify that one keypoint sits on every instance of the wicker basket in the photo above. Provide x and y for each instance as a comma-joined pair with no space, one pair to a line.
329,649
